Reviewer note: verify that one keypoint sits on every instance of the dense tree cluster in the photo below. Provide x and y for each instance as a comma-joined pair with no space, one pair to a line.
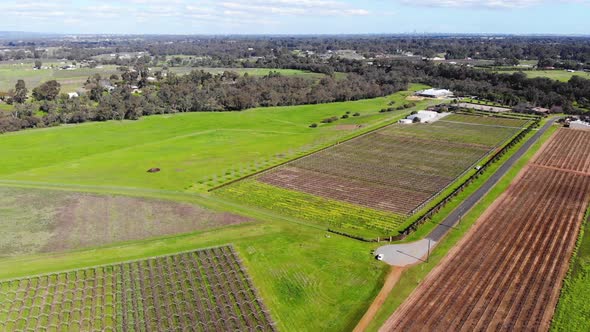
198,91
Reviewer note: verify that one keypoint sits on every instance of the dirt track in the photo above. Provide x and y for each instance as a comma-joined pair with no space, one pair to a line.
507,272
392,278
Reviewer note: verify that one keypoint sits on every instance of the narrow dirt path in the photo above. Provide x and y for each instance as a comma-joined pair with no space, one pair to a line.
390,281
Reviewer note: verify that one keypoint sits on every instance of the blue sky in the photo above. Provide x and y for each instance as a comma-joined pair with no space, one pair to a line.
297,16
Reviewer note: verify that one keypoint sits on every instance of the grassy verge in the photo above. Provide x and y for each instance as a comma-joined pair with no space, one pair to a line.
414,275
573,309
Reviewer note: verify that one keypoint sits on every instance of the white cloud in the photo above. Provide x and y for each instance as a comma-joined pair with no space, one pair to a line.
490,4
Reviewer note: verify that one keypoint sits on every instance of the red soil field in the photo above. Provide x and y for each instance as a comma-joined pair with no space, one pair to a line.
506,274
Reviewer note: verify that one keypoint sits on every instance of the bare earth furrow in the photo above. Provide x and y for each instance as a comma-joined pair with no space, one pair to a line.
506,273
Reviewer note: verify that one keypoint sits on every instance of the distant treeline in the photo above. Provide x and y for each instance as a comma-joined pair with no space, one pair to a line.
200,91
243,50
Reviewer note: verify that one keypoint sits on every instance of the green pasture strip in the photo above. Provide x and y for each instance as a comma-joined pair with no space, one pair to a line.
6,107
335,215
573,310
412,276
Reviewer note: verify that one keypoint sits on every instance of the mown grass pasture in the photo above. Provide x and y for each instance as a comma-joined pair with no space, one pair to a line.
70,80
190,148
394,170
197,290
573,310
559,75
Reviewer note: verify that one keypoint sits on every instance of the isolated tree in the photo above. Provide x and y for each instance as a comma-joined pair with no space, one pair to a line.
38,64
20,92
47,91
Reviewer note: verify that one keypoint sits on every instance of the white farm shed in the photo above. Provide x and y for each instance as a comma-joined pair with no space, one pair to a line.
424,116
578,124
435,93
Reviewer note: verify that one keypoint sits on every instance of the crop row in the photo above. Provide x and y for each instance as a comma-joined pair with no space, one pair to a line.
568,150
205,290
390,170
507,273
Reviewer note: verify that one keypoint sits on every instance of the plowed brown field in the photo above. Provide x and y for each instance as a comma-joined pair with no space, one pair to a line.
506,274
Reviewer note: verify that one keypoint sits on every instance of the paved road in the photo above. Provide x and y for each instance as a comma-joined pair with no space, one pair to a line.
451,220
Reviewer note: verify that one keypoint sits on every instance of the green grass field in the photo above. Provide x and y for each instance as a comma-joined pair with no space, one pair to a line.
188,148
560,75
573,309
6,107
70,80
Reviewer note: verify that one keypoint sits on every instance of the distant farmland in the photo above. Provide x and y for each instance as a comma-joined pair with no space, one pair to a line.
70,80
197,291
559,75
506,274
394,171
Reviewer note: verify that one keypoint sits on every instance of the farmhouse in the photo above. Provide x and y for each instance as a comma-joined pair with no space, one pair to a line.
435,93
424,116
